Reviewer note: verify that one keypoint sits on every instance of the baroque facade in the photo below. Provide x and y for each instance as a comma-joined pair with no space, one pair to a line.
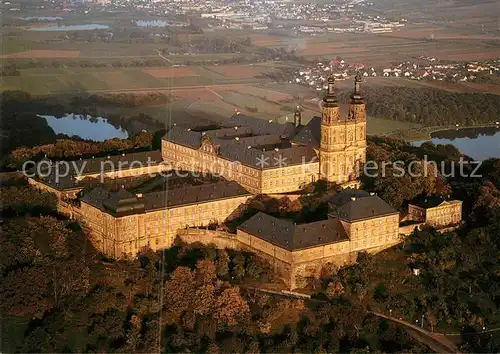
255,157
121,224
268,157
435,211
357,221
343,141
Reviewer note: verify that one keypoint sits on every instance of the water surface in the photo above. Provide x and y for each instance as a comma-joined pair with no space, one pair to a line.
478,143
86,127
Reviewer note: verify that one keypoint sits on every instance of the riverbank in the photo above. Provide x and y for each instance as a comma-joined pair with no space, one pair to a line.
424,133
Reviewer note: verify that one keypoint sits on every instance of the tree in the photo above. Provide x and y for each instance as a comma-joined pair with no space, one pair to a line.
179,292
230,307
222,263
334,289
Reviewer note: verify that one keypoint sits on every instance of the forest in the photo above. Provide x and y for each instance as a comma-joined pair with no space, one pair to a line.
26,136
57,294
431,107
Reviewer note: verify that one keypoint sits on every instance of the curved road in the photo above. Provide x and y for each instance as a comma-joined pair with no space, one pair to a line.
436,342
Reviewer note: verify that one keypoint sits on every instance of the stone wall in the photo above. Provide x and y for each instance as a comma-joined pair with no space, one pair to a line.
288,265
292,197
220,239
408,229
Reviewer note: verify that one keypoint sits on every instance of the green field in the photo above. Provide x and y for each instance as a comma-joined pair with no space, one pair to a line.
93,80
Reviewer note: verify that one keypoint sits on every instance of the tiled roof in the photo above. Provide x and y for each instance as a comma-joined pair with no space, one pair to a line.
235,144
309,134
228,132
260,126
288,235
184,136
193,194
124,203
432,201
354,205
81,168
253,157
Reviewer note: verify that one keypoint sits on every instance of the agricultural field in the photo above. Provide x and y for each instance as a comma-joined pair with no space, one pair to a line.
384,49
102,79
53,64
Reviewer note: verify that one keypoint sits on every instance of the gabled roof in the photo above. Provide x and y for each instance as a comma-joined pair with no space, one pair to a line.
309,134
183,136
260,126
92,166
432,202
288,235
355,205
228,132
123,203
246,143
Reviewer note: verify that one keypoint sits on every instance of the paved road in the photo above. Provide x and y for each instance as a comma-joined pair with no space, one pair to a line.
161,56
436,342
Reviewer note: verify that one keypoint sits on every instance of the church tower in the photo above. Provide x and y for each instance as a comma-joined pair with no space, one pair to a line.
357,114
357,106
343,140
329,145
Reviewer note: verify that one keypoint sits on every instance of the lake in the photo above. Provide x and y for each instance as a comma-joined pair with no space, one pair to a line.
88,27
86,127
478,143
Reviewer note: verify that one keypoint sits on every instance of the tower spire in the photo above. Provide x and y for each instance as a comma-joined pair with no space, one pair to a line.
297,118
356,96
330,99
